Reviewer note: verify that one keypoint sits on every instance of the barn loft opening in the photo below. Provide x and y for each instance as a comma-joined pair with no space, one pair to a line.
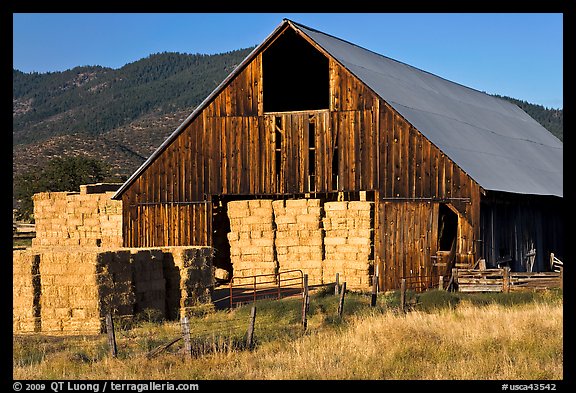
295,75
447,227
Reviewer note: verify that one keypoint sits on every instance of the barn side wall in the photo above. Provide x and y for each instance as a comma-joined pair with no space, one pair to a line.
232,148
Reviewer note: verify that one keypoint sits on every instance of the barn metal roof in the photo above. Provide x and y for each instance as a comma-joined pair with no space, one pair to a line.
500,146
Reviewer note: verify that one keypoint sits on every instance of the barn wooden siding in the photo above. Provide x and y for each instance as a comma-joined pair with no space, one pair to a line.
229,149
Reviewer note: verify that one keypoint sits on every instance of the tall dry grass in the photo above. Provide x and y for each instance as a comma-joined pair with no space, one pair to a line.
462,342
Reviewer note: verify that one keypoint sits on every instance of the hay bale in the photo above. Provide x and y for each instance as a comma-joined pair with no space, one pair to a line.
148,278
348,241
189,275
335,206
26,292
80,286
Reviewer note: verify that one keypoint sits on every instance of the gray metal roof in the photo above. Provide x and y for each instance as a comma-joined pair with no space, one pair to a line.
492,140
500,146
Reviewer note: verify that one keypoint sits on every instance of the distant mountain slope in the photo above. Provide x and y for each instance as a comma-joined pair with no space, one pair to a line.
121,116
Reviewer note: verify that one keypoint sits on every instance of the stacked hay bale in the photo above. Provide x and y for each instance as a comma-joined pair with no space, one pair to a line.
115,280
299,237
189,275
252,239
79,287
149,282
77,219
110,220
50,215
26,292
348,240
171,273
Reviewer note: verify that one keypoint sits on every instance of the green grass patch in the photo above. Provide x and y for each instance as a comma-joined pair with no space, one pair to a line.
19,243
437,299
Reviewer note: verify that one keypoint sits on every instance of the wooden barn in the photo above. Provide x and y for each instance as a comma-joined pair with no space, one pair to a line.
455,174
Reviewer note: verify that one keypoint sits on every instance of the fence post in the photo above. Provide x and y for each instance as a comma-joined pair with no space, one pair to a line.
341,303
403,295
305,312
454,279
111,335
337,286
305,300
441,283
561,277
230,284
279,285
186,336
374,290
254,289
250,333
506,280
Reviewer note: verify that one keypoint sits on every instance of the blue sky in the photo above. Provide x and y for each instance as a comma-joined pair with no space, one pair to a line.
517,55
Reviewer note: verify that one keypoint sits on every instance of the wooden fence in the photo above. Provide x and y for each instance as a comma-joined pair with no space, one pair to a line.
503,280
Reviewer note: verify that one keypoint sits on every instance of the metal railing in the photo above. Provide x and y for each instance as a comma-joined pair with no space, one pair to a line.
422,283
278,285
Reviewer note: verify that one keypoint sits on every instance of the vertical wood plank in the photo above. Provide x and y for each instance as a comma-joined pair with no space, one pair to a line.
442,176
345,164
260,86
404,169
224,157
427,166
403,295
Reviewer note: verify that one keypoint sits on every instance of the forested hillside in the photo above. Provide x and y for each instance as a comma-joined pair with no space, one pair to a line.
117,115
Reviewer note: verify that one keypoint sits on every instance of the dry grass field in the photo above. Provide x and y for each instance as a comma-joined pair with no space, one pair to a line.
445,336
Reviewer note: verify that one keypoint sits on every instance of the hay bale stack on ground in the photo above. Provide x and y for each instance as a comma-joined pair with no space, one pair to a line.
348,242
194,279
51,218
251,239
299,237
171,273
26,292
115,280
77,219
71,290
110,220
149,282
80,286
